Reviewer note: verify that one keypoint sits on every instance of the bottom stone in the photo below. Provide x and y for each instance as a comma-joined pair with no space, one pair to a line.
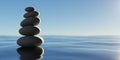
29,41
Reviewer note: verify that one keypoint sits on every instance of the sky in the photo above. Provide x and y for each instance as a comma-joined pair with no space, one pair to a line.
63,17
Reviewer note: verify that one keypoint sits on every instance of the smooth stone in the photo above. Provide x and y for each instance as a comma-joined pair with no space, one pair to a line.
32,21
29,9
29,41
29,30
31,14
30,53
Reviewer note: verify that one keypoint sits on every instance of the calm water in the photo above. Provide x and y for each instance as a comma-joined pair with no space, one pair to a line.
63,48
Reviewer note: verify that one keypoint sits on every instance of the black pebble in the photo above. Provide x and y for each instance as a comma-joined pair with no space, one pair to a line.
31,14
32,21
29,9
29,30
29,41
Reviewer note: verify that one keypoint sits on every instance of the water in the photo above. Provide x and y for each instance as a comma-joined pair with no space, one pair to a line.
63,48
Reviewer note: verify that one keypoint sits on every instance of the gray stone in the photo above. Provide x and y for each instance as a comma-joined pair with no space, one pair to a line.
31,14
32,21
29,9
29,41
29,30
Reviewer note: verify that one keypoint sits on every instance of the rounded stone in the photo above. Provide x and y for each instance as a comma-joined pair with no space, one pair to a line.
29,9
32,21
29,41
31,14
29,30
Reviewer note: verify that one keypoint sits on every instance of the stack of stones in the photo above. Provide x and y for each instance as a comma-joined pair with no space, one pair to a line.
28,29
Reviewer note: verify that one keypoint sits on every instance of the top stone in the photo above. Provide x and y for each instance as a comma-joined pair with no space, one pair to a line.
29,9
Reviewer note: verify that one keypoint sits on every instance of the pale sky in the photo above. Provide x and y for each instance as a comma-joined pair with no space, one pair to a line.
64,17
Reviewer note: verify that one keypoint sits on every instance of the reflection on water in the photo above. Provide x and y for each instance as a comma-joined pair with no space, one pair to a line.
64,48
35,53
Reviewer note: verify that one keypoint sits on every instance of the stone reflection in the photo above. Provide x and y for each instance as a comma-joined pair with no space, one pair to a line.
35,53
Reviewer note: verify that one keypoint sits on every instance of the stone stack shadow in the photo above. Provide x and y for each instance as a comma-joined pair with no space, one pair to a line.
29,30
35,53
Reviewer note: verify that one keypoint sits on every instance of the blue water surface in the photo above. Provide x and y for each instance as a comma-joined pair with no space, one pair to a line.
63,48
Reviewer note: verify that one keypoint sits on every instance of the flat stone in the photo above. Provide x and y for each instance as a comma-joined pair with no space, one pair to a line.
31,14
29,9
29,30
29,41
32,21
